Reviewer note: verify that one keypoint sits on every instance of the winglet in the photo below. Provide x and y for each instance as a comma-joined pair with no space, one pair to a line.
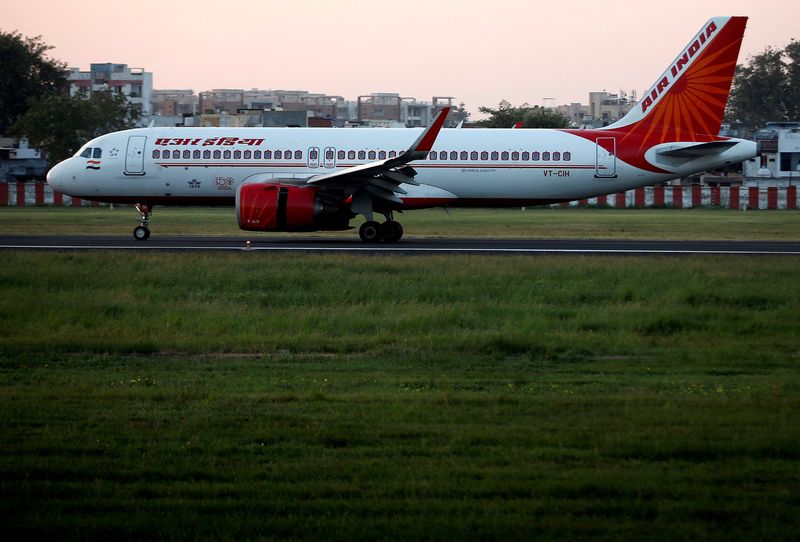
424,142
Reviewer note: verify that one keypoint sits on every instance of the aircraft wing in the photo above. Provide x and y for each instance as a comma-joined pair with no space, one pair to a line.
381,179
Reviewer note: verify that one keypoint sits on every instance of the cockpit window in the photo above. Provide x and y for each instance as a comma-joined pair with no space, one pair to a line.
98,152
87,153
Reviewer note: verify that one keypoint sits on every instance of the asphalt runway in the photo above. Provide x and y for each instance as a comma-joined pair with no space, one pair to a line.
407,245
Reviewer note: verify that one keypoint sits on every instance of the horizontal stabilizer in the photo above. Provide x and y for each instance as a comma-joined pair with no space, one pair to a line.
697,149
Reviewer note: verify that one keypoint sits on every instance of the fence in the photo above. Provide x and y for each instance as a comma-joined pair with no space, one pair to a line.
22,194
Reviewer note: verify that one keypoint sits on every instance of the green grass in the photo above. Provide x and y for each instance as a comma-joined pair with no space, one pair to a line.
588,223
270,396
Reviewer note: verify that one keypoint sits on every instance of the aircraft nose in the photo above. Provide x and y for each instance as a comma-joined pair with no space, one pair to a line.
57,176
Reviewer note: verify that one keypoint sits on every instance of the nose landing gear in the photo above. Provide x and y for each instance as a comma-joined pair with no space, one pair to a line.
142,232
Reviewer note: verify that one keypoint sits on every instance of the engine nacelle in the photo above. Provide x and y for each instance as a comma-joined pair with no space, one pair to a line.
283,207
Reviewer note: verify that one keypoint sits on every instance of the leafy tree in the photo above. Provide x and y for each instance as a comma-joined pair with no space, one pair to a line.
766,88
60,124
792,97
506,116
25,73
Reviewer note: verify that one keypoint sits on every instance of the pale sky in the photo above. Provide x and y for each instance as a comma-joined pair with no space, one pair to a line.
478,51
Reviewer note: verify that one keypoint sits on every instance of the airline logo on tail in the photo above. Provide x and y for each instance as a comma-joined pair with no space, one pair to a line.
677,67
685,104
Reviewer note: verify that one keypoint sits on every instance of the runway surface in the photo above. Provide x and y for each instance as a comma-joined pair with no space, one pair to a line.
407,246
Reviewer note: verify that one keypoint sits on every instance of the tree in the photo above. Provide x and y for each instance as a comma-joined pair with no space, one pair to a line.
506,116
60,124
25,74
766,88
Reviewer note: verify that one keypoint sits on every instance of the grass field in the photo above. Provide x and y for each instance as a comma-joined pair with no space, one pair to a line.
589,223
252,396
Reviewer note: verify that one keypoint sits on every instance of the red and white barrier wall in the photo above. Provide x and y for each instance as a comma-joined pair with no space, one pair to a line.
21,194
687,197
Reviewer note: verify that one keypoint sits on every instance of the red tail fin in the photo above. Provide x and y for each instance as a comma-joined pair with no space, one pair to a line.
688,100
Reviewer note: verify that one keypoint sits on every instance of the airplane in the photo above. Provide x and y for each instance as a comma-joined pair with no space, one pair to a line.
312,179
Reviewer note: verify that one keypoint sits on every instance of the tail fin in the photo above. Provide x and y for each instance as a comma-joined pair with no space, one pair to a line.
687,102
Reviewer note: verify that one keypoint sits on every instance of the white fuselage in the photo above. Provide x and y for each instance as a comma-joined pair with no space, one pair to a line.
476,167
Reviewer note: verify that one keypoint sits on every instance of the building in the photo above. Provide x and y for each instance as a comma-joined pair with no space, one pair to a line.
174,102
778,163
603,109
379,109
389,109
134,83
18,162
221,100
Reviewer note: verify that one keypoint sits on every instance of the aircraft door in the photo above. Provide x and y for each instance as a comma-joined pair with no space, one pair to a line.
606,164
313,157
330,157
134,157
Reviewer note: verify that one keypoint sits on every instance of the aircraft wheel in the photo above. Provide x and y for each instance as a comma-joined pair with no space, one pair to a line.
141,233
391,231
370,232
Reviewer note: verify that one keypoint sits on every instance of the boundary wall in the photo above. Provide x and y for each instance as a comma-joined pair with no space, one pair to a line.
22,194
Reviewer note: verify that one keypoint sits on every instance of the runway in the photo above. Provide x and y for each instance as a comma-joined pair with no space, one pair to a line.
409,245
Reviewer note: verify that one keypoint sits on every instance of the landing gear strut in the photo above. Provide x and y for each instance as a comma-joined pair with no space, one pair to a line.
374,232
142,232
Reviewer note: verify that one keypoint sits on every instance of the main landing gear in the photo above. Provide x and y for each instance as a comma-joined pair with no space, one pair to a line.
374,232
142,232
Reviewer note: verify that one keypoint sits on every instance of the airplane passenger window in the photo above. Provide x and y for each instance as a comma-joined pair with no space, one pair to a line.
278,155
504,155
556,155
226,155
298,155
495,155
362,155
156,153
340,155
187,154
196,154
515,156
98,152
464,155
432,155
237,155
546,156
526,155
473,155
176,154
248,155
87,153
329,154
484,155
217,155
287,155
381,155
535,155
453,155
392,154
206,154
313,154
267,155
371,155
567,156
351,155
